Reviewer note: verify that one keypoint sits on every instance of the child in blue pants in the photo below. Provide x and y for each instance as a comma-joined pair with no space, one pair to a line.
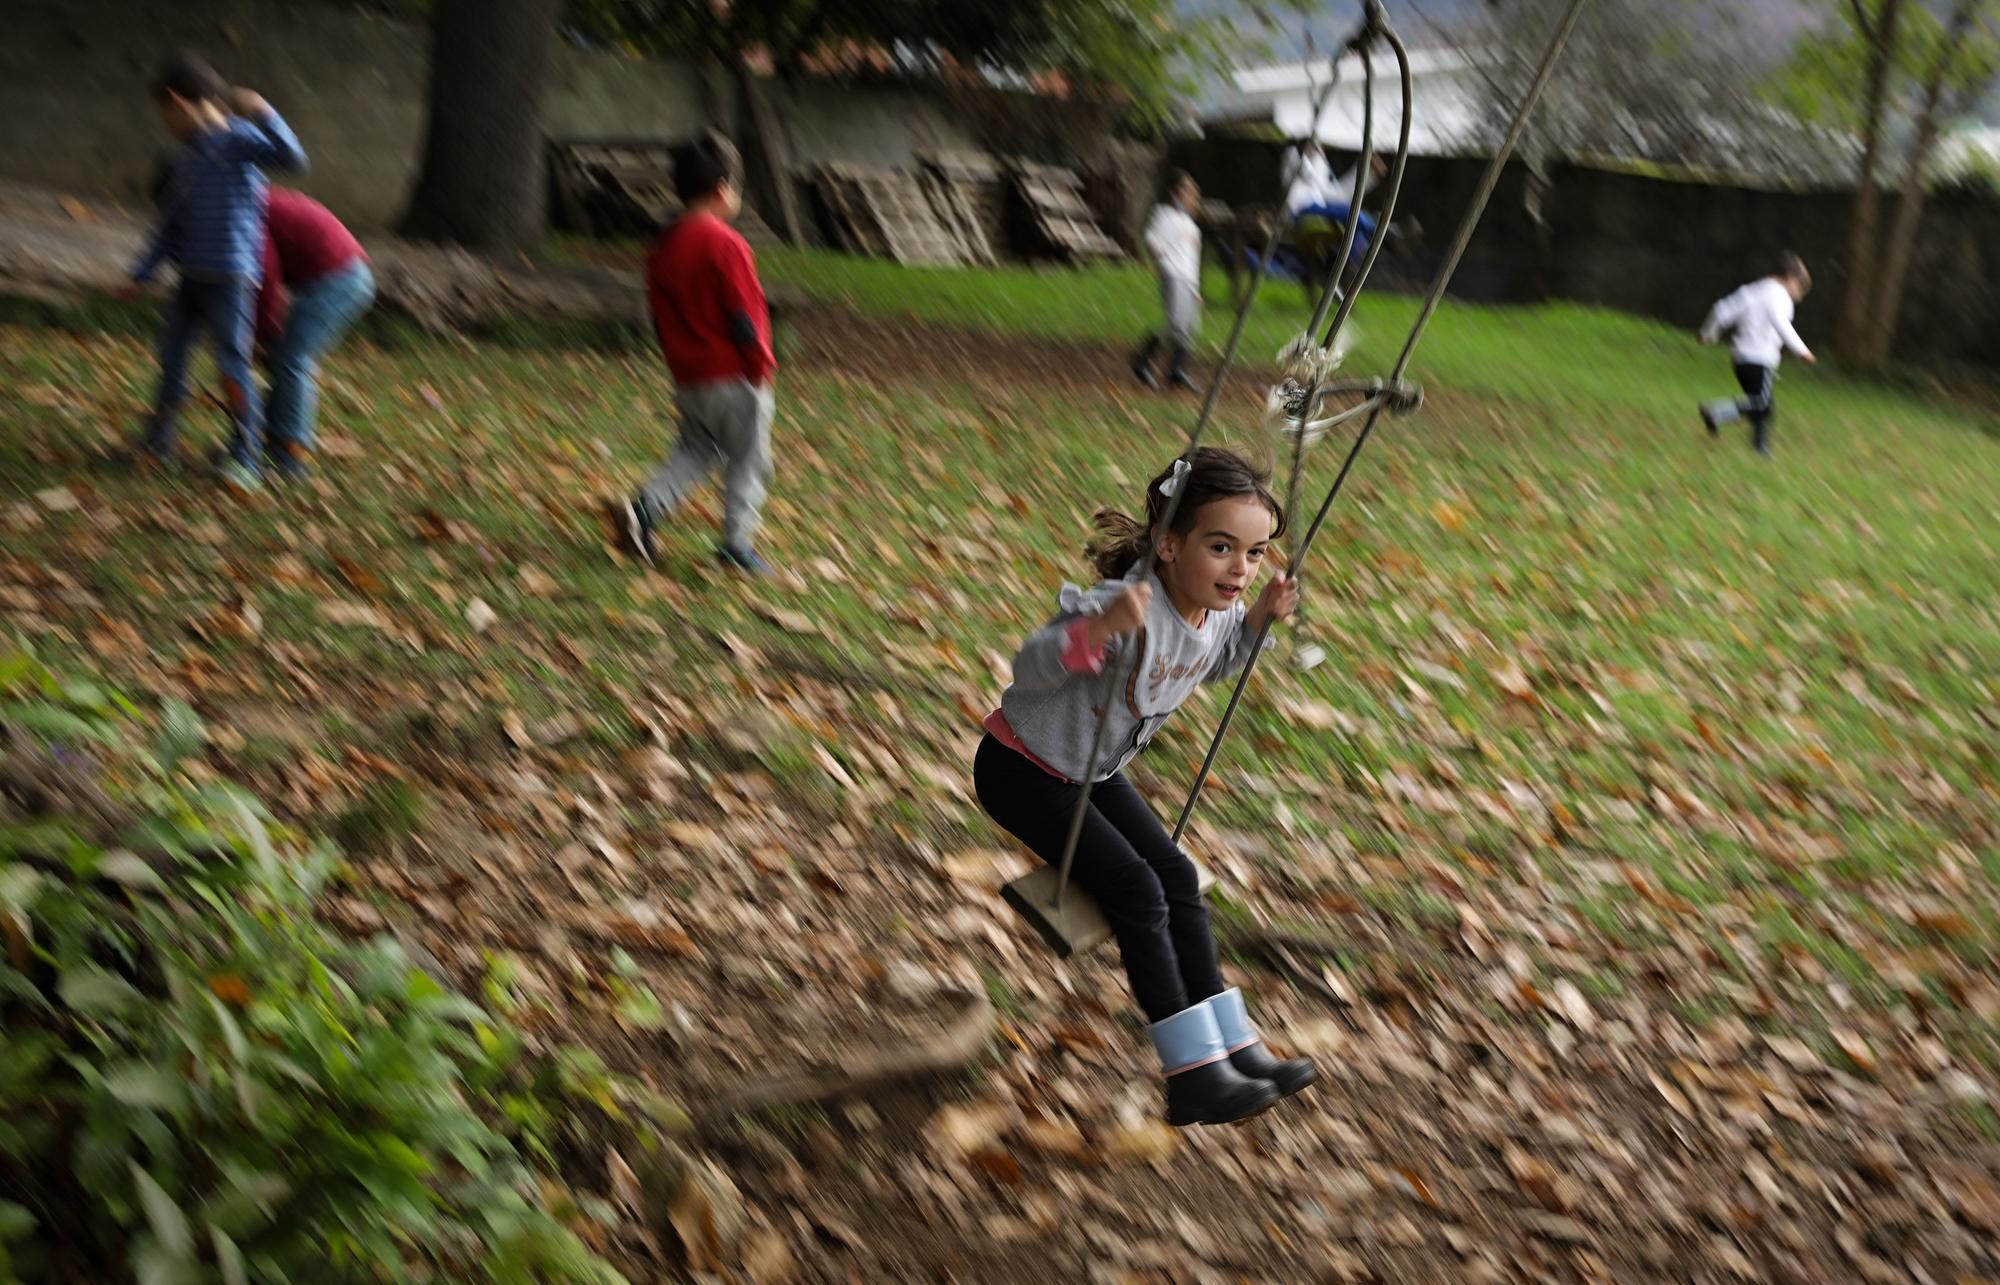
211,225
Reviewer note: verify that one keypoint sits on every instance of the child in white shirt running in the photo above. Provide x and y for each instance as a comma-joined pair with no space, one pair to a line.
1173,239
1760,317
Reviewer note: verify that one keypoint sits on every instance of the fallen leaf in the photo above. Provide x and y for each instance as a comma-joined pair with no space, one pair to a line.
537,583
1512,679
1142,1142
1795,1053
1856,1050
1976,1200
790,621
358,577
1540,1182
230,989
622,1182
999,1166
1567,1000
1673,1096
58,499
767,1259
959,1131
479,617
1056,1138
361,615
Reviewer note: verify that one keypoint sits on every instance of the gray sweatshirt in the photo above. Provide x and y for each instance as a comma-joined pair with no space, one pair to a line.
1051,705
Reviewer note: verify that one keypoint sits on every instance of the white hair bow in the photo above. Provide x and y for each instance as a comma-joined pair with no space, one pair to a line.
1170,486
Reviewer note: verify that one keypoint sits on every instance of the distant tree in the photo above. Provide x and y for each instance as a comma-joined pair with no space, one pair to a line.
480,182
1895,73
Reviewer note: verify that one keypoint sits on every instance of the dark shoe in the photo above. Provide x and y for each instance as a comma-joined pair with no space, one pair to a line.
138,457
1289,1075
1202,1086
1142,370
634,525
1708,419
1179,379
1246,1048
1216,1094
239,477
290,461
742,559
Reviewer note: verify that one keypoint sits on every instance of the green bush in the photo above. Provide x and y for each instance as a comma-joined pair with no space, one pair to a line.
199,1081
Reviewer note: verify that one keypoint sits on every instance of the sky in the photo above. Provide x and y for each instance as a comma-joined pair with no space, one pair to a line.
1775,20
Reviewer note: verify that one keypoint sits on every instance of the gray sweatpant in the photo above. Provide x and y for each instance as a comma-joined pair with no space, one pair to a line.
724,425
1182,299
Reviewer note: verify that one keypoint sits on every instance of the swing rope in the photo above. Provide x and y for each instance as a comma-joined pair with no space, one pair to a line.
1112,676
1374,24
1432,300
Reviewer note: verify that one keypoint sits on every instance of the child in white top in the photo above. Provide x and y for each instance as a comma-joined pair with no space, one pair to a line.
1173,240
1759,317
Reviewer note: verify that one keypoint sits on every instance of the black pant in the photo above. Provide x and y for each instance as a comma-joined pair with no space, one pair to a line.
1147,888
1759,404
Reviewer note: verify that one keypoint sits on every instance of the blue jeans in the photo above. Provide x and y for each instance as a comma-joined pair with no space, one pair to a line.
322,310
223,308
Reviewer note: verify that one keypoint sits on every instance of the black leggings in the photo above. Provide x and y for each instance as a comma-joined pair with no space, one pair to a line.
1146,887
1759,404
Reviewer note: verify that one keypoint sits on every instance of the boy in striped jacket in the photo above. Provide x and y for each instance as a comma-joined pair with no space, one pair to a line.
211,226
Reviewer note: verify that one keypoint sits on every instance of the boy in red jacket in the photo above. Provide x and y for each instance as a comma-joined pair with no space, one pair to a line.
317,282
714,329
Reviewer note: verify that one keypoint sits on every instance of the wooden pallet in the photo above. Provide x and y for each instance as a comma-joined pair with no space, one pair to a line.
889,214
623,187
1059,215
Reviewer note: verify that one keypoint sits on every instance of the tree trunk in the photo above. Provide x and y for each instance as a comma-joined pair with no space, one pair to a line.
766,159
1902,243
481,183
1851,324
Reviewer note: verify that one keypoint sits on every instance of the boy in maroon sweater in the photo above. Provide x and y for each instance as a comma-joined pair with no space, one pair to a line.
309,255
714,328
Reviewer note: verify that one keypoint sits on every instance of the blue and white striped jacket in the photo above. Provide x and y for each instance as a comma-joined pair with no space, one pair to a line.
211,220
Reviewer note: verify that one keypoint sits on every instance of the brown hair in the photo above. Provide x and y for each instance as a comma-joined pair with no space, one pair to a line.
1791,266
1213,474
187,76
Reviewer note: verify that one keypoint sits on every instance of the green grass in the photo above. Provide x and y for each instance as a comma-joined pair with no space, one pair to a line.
1765,689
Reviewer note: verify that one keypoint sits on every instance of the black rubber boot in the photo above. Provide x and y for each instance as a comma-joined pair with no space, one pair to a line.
1289,1075
1177,370
1216,1094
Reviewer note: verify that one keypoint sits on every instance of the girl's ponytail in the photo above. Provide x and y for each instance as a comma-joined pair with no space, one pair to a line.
1120,542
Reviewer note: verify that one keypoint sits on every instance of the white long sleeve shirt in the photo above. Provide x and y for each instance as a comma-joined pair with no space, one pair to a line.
1309,181
1174,241
1760,315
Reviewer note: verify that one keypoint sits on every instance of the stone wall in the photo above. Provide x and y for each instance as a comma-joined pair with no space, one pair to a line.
74,112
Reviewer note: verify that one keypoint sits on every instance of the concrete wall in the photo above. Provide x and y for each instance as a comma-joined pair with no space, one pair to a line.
74,112
1665,248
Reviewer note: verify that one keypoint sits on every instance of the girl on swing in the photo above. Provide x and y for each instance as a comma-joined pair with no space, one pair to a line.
1186,622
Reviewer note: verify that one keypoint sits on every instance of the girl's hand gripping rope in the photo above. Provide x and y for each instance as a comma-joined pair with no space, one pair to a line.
1278,601
1125,614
